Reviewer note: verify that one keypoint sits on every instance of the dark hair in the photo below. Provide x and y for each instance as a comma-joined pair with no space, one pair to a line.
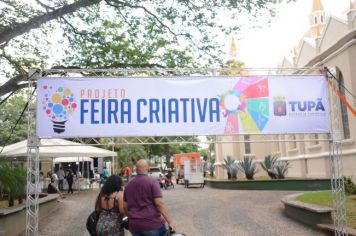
112,184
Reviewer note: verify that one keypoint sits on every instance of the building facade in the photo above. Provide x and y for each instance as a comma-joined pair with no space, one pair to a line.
329,42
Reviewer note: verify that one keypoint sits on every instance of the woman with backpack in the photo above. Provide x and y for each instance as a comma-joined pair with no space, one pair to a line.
109,205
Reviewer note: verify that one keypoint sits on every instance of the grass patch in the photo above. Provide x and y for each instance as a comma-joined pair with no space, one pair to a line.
324,198
319,198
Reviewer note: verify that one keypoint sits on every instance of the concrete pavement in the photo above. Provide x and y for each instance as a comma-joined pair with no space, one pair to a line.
196,212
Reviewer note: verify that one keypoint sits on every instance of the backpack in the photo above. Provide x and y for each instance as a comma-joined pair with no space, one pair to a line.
92,222
93,218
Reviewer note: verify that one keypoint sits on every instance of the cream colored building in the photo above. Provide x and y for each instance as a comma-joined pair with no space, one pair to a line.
330,41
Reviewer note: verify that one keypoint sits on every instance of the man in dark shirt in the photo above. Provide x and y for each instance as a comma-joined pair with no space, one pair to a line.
144,206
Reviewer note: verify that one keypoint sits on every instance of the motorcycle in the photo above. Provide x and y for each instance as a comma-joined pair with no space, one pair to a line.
166,182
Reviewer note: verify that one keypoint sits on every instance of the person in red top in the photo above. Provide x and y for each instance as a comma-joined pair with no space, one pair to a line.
144,206
127,172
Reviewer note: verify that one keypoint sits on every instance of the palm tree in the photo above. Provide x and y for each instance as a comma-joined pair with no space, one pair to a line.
19,174
7,181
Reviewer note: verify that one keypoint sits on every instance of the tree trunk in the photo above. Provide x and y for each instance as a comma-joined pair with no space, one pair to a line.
11,201
167,154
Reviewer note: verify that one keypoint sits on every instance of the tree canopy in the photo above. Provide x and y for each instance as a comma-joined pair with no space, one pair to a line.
114,33
9,112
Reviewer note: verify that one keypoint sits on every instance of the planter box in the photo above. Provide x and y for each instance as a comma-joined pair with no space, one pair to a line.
13,219
314,215
272,184
309,214
4,203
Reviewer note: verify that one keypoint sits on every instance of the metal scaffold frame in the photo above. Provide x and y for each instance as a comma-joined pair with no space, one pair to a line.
335,153
334,138
32,160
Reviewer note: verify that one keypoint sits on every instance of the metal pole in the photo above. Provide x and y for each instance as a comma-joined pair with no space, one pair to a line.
32,189
335,152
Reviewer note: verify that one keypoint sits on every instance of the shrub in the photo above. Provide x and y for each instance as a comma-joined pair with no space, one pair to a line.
281,169
231,167
12,181
211,166
248,166
234,170
268,164
350,187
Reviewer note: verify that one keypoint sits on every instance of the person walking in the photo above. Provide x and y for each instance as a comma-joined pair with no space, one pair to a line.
144,206
105,173
70,179
61,176
110,206
127,172
55,177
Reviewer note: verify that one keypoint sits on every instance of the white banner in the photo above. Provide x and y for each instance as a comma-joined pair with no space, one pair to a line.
173,106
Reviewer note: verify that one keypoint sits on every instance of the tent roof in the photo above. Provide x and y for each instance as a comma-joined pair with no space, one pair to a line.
50,148
71,159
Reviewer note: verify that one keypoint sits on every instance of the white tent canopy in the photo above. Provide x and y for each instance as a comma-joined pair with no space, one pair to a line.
72,159
52,148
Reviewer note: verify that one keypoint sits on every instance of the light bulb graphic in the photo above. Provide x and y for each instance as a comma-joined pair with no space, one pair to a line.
58,105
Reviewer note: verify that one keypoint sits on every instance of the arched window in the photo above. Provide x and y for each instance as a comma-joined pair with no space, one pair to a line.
344,115
321,19
315,20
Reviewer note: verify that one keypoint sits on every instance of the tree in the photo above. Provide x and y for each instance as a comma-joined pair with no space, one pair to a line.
234,67
27,30
9,114
168,150
129,155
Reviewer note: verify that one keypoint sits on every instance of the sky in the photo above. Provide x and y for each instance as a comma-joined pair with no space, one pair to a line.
266,47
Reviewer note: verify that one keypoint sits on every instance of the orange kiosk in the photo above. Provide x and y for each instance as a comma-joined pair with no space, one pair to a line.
179,163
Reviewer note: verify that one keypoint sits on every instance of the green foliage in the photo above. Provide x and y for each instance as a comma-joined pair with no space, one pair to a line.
350,187
274,167
130,154
118,34
269,165
212,168
20,176
248,166
269,162
320,198
9,113
12,181
6,180
281,168
325,199
211,165
231,167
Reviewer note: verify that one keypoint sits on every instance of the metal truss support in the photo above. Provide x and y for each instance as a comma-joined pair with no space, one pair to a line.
337,187
33,187
188,140
337,181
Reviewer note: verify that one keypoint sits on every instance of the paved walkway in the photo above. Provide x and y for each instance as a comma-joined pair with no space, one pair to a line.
196,212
